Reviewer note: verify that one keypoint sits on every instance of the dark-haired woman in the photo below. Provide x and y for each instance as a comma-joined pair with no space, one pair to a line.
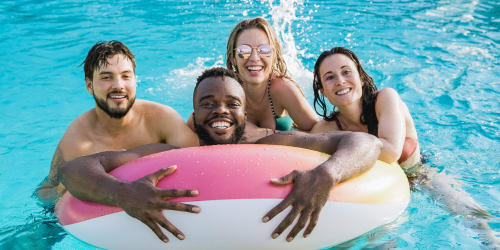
339,77
359,106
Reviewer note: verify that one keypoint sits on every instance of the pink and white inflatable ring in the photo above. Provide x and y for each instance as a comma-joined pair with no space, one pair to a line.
235,193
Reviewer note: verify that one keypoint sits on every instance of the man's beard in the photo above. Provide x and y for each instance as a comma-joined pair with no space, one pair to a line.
113,113
204,135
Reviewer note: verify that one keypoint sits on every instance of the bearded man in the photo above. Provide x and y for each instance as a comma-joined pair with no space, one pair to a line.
118,121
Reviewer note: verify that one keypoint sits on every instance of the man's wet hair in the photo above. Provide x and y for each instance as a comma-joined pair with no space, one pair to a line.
98,56
215,72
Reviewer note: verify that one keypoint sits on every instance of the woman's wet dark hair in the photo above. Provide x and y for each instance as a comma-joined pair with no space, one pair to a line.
369,91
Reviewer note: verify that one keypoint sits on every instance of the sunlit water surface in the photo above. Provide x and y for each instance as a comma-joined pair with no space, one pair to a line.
441,56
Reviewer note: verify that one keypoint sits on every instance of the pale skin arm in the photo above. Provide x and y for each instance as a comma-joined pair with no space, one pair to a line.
286,94
51,188
391,127
190,122
87,179
173,128
352,154
47,191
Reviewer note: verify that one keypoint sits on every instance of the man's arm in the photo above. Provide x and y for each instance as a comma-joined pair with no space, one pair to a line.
352,154
47,191
87,179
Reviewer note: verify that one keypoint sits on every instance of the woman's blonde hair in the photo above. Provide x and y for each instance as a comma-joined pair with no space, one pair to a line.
279,65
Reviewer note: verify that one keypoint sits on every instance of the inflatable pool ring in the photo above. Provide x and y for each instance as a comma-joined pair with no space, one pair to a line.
235,193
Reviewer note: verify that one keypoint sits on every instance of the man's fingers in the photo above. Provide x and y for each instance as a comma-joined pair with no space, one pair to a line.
285,223
276,210
170,193
304,216
158,175
312,222
156,229
179,207
170,227
285,180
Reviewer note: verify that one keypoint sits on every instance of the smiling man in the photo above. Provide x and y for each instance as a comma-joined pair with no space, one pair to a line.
219,116
119,121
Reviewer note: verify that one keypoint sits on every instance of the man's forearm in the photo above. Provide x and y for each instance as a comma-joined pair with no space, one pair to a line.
87,177
356,153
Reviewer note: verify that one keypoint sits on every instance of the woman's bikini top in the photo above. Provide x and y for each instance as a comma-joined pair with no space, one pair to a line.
283,123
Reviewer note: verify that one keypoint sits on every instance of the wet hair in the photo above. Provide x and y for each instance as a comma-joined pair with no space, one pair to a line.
98,56
369,91
279,64
215,72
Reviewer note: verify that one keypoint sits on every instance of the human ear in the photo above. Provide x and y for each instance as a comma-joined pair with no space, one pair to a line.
88,85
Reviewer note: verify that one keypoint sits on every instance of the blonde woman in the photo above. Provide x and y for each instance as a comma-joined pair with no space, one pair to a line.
274,100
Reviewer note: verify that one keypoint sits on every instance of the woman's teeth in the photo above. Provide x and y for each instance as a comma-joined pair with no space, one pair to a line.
343,92
254,68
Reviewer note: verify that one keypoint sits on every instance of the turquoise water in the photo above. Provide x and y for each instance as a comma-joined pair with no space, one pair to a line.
441,56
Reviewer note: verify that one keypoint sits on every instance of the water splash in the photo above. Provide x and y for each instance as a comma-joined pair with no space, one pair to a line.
283,16
284,19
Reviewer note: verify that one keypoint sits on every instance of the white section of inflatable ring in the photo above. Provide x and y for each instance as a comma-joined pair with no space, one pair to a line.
236,224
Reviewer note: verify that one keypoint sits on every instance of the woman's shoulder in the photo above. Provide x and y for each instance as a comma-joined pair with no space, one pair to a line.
387,93
387,96
284,89
282,84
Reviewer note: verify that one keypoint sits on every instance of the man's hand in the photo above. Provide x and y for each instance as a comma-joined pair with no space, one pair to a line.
143,201
309,194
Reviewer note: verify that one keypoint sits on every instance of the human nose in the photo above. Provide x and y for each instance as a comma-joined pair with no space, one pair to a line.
254,54
340,80
119,83
221,109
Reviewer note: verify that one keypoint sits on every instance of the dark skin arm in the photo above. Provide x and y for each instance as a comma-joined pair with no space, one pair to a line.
352,154
87,179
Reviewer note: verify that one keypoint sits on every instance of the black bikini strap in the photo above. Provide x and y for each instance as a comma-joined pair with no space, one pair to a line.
270,99
339,125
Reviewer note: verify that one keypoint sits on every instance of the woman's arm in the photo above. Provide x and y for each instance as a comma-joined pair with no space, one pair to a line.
391,124
287,95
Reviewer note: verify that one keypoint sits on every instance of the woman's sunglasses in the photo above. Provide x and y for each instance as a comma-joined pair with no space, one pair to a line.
244,51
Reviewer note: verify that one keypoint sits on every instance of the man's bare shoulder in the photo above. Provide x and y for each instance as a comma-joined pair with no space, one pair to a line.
168,124
154,111
77,139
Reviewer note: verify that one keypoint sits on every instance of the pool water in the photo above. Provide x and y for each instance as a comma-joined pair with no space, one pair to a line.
441,56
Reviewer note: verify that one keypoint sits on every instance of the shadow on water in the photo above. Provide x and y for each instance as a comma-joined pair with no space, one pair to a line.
41,230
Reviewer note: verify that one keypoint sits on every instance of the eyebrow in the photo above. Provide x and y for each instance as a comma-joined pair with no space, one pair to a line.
211,96
345,66
234,97
205,97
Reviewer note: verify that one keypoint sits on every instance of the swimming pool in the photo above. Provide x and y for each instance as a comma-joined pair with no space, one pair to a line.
441,56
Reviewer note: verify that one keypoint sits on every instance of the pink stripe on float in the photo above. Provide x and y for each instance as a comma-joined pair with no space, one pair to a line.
218,172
